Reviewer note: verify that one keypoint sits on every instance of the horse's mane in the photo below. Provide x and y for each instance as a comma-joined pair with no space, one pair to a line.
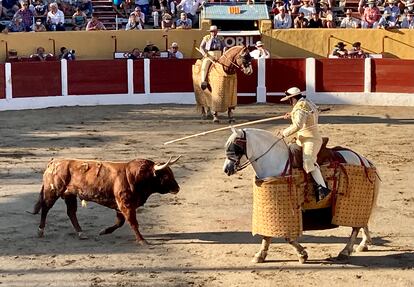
264,133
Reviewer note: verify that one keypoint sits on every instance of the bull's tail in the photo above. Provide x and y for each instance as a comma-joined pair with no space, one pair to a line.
38,206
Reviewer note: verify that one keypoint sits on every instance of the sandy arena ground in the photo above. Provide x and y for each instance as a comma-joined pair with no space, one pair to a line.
201,236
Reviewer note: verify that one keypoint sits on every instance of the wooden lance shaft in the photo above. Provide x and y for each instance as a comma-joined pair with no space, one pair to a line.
225,128
234,126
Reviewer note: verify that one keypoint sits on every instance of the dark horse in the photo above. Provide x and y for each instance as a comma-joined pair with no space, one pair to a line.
221,96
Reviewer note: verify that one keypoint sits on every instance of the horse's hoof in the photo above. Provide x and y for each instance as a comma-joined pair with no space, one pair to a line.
258,259
204,117
216,121
82,236
232,121
362,248
303,257
342,258
143,242
40,233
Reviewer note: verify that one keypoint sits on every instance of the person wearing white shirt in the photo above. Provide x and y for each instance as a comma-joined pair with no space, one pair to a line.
260,51
190,7
55,18
174,53
307,9
282,20
349,21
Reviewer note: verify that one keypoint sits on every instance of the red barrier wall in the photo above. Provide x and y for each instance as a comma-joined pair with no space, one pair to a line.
36,79
339,75
139,87
247,84
282,74
171,76
2,82
392,76
97,77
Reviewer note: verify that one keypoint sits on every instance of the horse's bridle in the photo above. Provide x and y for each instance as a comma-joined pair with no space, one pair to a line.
239,148
233,63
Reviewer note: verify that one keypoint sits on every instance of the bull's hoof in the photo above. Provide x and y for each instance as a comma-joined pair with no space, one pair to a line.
142,242
362,248
303,257
342,258
40,233
103,232
82,236
204,85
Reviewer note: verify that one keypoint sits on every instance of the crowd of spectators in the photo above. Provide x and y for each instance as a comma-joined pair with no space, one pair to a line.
152,51
383,14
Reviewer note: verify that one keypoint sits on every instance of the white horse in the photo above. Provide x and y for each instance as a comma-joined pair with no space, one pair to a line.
268,156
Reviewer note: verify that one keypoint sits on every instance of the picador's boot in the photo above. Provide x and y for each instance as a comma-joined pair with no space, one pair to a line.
321,192
204,85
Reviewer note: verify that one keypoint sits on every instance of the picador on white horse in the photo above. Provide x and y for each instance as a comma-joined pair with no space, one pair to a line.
304,116
211,47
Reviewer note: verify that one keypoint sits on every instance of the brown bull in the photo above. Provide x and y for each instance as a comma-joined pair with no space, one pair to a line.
123,186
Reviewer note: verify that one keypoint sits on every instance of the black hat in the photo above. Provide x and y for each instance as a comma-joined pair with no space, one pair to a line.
356,44
340,45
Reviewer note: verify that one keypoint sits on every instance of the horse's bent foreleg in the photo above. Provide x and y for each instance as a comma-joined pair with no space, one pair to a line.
349,248
366,240
203,113
260,256
300,250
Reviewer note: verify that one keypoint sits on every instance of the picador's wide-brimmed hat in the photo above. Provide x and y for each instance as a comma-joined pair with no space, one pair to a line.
292,92
213,28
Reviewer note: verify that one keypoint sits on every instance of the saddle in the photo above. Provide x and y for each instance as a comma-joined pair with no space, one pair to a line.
325,156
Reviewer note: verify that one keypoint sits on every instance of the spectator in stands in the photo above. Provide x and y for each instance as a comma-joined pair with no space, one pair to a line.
135,54
86,7
356,51
307,9
144,6
79,20
361,6
408,21
66,7
294,6
155,17
94,24
315,22
151,51
133,24
174,53
260,51
183,22
349,21
55,18
26,15
67,54
394,12
8,8
39,10
371,15
38,26
282,20
139,16
167,22
300,21
15,25
41,54
326,15
409,5
190,7
340,51
120,8
385,21
276,5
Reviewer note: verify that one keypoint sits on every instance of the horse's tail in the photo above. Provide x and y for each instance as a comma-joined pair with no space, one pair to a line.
38,205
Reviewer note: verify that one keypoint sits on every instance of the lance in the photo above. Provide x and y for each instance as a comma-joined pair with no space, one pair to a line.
232,126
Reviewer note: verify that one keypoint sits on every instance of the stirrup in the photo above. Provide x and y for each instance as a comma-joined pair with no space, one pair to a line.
321,192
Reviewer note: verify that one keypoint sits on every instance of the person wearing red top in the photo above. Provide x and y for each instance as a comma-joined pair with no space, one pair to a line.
371,15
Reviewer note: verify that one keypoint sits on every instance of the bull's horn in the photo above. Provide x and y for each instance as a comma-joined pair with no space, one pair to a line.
169,162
